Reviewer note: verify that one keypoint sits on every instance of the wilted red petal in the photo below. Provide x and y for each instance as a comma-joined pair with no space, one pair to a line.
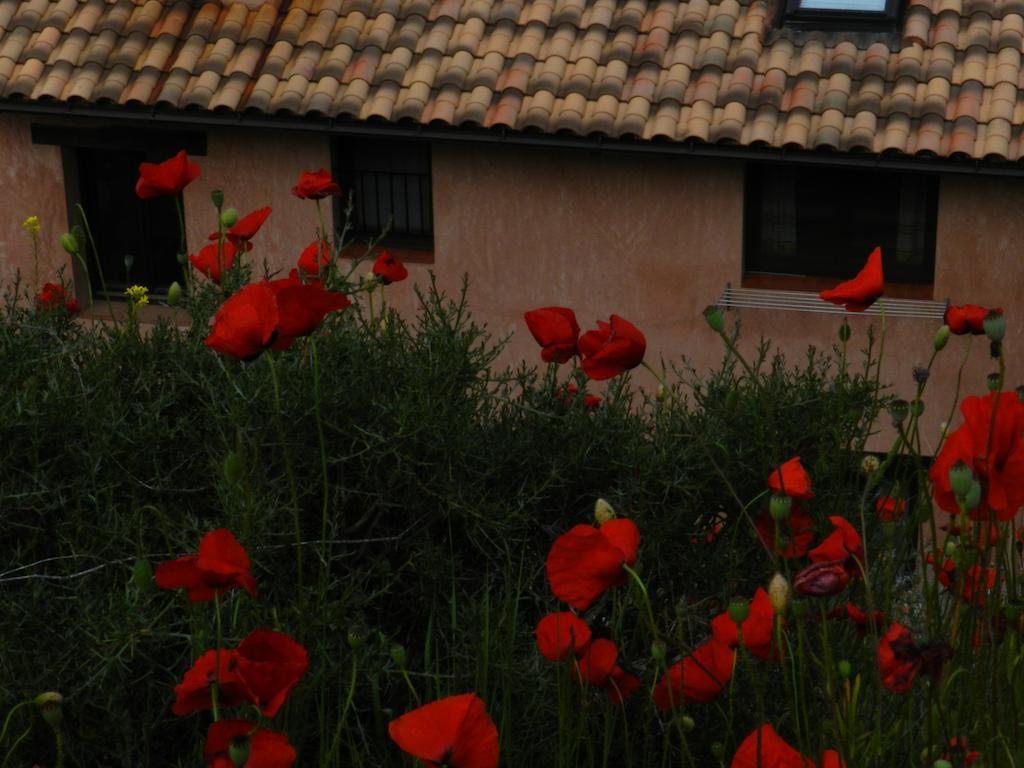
843,544
861,292
889,509
822,579
898,659
456,731
561,635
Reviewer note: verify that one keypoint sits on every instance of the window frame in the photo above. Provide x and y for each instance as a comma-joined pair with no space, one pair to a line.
408,246
156,142
786,277
886,20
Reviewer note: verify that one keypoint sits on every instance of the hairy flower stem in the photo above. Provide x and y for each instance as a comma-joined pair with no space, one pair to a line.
339,728
10,714
325,553
215,685
183,238
59,739
648,611
731,346
96,258
296,511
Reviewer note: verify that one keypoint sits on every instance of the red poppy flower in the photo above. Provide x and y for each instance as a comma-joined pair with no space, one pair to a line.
831,759
796,533
246,323
860,619
455,732
898,659
1000,470
967,318
388,269
167,178
267,749
214,259
620,685
861,292
221,564
597,662
614,348
557,332
271,665
53,296
315,185
585,561
889,509
792,480
978,581
843,545
764,748
822,579
246,227
700,677
961,752
301,307
758,629
309,262
570,393
192,694
561,635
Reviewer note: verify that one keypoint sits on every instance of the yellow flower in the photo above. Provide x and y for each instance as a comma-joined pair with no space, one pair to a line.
31,225
138,295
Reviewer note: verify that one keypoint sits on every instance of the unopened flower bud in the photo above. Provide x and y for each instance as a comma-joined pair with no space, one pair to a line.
941,337
658,649
661,393
950,547
49,705
779,593
718,750
174,294
822,579
686,723
142,574
603,512
995,325
182,258
218,198
973,497
844,332
739,609
714,318
398,655
869,464
898,410
238,750
960,478
844,669
69,243
780,506
234,467
920,374
916,408
992,381
229,217
356,637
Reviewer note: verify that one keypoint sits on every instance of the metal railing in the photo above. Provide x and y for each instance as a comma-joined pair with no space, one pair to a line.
806,301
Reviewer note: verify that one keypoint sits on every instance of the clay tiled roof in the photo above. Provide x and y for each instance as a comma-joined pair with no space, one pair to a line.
946,84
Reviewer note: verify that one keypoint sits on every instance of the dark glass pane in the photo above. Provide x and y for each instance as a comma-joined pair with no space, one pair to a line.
823,221
122,223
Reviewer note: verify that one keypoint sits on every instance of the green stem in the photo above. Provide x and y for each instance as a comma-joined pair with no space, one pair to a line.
215,685
649,612
10,714
317,395
296,511
335,742
14,746
96,258
59,737
732,349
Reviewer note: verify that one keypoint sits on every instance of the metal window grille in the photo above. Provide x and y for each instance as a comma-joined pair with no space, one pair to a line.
806,301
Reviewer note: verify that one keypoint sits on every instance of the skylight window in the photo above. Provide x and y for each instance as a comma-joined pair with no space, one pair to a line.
879,15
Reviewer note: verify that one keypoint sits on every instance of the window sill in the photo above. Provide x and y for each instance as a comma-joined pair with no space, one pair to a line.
775,282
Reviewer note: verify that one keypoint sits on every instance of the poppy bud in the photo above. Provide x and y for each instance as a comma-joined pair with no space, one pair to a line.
238,750
398,655
603,512
142,574
960,478
658,649
229,217
780,506
356,637
218,198
898,410
869,464
174,294
686,723
49,705
822,579
738,610
973,497
661,393
844,332
995,325
714,317
949,548
369,281
778,593
69,243
234,467
941,337
844,669
718,750
916,408
992,381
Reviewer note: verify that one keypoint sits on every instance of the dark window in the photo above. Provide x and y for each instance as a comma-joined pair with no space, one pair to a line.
866,15
101,168
824,221
389,182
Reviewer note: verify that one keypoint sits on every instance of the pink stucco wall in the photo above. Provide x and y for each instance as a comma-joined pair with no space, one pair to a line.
652,239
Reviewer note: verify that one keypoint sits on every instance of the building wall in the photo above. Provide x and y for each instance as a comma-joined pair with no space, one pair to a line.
652,239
